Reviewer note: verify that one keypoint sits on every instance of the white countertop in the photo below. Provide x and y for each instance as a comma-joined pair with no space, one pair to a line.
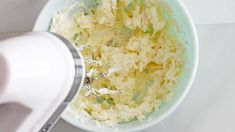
209,106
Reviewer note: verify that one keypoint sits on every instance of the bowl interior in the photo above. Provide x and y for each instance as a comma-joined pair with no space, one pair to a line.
185,30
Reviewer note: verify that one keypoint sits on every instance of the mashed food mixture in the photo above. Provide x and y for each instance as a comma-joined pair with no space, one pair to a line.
128,40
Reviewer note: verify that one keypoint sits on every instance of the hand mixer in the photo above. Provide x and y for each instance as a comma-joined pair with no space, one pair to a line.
43,72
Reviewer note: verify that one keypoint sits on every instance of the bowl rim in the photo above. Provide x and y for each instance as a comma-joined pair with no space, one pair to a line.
174,105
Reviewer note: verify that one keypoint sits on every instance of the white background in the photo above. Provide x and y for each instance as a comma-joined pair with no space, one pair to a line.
210,105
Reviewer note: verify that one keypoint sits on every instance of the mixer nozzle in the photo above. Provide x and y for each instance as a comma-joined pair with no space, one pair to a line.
91,76
101,91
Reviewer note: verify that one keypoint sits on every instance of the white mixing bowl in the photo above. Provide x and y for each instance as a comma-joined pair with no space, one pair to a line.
186,32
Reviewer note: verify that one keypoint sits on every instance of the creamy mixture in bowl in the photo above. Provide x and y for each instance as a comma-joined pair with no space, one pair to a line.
130,41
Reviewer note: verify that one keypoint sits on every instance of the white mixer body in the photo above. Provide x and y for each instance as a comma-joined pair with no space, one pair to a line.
38,70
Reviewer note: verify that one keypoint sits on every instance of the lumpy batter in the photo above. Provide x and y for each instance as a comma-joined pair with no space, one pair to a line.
131,37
